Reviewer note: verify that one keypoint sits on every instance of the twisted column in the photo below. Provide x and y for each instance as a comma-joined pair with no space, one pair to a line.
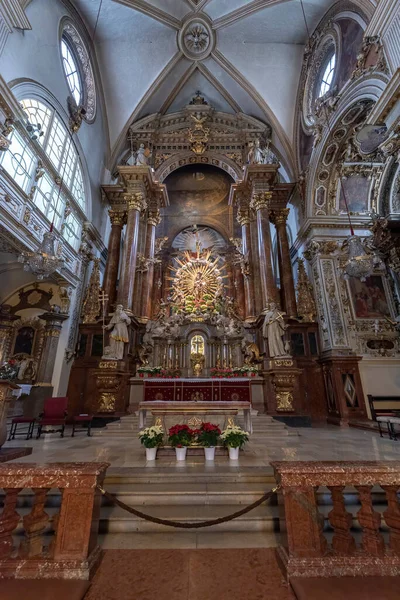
135,204
243,218
279,218
153,220
114,250
260,203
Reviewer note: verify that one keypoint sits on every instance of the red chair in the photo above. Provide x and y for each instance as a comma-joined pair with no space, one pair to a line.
54,413
30,421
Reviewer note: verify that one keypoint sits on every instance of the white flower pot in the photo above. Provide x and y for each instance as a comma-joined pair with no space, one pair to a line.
151,453
181,453
209,453
233,453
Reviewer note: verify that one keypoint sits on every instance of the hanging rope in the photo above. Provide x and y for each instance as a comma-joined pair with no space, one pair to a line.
179,524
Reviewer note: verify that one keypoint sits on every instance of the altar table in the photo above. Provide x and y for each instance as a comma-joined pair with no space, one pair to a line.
193,413
235,389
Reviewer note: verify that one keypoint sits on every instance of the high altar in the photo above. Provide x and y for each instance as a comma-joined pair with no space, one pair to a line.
194,307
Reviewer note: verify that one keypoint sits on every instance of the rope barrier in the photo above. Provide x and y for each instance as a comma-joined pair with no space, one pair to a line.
179,524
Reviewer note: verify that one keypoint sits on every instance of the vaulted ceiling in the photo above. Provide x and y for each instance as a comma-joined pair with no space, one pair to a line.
247,59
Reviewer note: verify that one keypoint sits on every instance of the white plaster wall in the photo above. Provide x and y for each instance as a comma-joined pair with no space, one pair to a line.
35,55
380,377
274,71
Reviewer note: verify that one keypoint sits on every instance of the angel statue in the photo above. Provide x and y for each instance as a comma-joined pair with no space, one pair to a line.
274,328
118,336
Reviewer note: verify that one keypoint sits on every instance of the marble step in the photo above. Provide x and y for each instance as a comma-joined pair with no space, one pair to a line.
114,519
181,539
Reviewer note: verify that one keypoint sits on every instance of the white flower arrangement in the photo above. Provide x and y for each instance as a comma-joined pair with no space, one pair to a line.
151,437
234,436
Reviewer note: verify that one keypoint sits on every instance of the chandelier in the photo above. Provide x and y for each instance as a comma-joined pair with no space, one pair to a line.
359,263
44,262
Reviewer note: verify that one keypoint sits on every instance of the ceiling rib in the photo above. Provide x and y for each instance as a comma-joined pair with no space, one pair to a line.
145,98
179,86
152,11
210,77
243,12
223,62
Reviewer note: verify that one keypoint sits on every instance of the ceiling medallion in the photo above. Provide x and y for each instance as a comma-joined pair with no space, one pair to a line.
196,39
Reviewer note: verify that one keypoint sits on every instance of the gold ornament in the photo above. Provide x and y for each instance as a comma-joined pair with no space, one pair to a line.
306,308
91,306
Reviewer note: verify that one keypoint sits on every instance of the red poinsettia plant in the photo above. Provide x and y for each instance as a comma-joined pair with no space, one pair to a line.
208,435
180,436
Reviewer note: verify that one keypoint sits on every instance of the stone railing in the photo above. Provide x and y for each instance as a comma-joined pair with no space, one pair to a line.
309,548
61,546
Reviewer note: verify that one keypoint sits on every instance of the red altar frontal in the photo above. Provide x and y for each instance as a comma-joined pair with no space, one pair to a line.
197,390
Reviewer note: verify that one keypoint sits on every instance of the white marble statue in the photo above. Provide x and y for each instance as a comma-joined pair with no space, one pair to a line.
142,160
273,331
260,156
118,336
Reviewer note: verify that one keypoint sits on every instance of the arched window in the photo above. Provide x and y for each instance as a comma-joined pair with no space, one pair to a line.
43,161
327,77
78,69
71,70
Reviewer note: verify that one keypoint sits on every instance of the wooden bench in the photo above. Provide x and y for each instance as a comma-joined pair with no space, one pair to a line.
385,409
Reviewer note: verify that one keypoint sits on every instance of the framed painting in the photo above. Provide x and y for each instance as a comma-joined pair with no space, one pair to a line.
370,298
357,190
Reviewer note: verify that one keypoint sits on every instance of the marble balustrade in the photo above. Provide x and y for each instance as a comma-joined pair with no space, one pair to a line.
306,550
73,552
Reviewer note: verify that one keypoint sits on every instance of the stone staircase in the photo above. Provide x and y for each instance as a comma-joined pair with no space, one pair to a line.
191,493
263,426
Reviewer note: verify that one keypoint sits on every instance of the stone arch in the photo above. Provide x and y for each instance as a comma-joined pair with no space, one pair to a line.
182,159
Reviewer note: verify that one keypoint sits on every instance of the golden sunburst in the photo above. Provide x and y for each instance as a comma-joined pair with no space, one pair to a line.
196,281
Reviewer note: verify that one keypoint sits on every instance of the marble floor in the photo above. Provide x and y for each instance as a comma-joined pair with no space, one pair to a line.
316,443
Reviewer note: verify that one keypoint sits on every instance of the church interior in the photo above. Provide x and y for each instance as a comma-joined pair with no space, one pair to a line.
199,299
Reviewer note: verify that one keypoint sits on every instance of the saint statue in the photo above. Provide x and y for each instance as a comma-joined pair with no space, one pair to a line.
142,156
260,156
118,336
273,330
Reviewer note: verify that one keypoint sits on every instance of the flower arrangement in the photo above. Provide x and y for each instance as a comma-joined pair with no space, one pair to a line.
208,435
9,369
151,371
170,373
234,437
151,437
180,436
221,372
245,370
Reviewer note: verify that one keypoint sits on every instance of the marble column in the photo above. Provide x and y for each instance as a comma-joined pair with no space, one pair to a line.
279,218
52,332
260,203
243,218
153,220
6,331
136,204
112,264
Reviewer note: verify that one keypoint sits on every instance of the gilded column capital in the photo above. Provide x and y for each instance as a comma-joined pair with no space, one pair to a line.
154,217
261,200
243,216
279,217
136,201
117,218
